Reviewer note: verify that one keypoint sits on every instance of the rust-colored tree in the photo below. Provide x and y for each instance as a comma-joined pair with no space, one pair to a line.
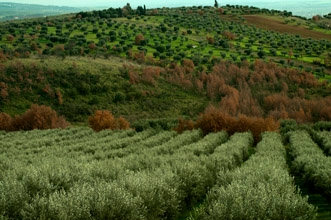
229,35
138,39
188,65
104,119
5,122
214,120
122,123
39,117
149,74
210,40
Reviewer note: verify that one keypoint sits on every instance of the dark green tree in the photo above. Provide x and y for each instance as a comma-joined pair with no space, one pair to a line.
141,10
216,4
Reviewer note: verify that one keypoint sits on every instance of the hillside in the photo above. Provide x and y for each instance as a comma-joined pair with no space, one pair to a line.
10,10
168,63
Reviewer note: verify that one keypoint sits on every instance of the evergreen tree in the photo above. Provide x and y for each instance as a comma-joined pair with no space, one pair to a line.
216,4
140,10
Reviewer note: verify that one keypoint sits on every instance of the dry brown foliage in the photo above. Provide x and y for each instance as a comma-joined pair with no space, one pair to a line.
5,122
59,96
122,123
39,117
138,39
229,35
150,74
104,119
214,120
210,40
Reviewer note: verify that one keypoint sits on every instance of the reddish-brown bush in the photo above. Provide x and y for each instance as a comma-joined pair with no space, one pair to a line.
39,117
59,96
149,74
138,39
10,37
210,40
122,123
214,120
104,119
229,35
188,65
5,122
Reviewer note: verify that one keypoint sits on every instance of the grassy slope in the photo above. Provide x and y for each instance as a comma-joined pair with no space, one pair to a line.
161,101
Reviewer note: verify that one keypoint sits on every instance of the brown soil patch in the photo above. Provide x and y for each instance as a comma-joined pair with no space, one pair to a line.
274,25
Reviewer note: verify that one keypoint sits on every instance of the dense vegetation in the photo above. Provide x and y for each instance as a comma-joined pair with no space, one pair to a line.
169,63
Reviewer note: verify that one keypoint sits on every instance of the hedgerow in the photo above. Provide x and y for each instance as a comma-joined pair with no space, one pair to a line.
310,161
323,138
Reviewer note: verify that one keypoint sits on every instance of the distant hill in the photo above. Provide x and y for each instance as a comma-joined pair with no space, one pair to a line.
11,11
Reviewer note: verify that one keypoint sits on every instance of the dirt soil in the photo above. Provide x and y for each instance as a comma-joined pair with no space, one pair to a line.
271,24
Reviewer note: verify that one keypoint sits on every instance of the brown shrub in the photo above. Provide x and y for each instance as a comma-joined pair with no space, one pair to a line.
214,120
188,65
104,119
5,122
122,123
59,96
39,117
149,74
210,40
138,39
229,35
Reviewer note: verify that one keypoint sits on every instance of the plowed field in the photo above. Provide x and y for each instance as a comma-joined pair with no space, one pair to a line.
279,26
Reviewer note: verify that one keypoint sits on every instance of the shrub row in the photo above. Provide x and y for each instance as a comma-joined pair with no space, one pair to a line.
197,172
207,145
323,139
147,185
260,189
137,146
232,153
186,138
310,160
